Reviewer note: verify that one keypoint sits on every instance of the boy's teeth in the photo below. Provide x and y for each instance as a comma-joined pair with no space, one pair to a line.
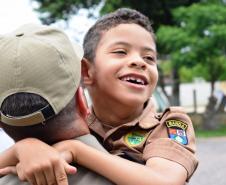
133,80
140,81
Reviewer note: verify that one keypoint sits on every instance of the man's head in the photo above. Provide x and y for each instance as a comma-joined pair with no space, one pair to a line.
120,61
40,73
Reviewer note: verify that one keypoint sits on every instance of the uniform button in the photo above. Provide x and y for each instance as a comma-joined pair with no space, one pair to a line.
158,116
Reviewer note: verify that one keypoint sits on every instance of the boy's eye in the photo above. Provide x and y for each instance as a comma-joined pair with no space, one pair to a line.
121,52
149,59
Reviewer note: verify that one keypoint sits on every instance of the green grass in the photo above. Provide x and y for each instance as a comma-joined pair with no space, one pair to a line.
211,133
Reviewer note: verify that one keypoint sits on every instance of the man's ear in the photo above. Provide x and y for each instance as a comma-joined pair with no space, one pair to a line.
87,72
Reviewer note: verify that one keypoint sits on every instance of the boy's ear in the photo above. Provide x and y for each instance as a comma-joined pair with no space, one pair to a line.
87,72
81,112
81,103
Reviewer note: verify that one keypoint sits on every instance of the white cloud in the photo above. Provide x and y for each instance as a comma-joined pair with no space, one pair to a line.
77,26
6,141
14,13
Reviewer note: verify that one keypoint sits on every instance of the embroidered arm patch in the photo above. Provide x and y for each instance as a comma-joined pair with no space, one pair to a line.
177,131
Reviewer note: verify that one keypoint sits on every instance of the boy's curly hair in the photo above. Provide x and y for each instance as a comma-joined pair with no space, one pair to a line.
120,16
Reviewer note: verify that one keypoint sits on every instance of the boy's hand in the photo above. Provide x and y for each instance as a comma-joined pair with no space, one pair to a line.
68,150
40,164
8,170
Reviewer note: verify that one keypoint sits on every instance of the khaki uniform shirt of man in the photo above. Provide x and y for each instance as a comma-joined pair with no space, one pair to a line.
168,135
83,175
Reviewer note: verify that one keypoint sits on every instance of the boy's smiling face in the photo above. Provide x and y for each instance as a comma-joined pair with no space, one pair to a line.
125,65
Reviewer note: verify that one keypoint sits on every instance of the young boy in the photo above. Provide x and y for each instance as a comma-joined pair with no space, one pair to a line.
120,72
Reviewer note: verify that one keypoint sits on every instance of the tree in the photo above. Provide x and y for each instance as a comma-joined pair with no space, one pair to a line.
198,38
157,10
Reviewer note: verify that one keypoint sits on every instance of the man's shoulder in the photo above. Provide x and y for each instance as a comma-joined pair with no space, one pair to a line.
82,177
11,180
90,140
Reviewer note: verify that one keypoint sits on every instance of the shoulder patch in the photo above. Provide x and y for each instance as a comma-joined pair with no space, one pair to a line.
135,138
177,131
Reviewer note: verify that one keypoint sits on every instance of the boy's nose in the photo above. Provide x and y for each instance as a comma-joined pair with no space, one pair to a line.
138,63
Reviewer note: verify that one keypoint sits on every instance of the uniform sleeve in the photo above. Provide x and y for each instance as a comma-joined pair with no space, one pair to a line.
173,139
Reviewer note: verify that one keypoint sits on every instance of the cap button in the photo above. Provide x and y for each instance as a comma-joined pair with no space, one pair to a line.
19,34
158,116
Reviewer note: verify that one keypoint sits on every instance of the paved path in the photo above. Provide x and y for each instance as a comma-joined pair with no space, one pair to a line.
212,162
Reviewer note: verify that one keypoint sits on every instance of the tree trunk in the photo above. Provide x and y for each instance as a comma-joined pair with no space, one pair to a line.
209,122
176,88
212,87
161,83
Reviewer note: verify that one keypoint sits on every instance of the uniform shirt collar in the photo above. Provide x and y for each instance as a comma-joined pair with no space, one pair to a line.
146,120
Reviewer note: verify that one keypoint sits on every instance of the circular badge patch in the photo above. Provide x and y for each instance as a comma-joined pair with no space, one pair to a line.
135,138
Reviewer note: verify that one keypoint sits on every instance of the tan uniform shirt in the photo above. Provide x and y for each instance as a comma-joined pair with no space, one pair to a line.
169,135
83,175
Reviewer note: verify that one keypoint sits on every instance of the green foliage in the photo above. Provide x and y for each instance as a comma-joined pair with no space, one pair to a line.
196,44
199,17
188,74
185,74
220,132
223,75
171,38
158,10
166,67
200,71
51,11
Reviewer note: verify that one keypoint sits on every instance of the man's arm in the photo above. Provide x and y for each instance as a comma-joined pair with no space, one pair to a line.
36,162
157,171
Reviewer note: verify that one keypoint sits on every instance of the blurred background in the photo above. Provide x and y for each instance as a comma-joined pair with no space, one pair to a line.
191,42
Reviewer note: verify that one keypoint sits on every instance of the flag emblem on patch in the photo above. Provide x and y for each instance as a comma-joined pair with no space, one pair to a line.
177,131
135,138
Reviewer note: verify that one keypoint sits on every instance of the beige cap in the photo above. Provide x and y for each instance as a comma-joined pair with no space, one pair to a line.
41,60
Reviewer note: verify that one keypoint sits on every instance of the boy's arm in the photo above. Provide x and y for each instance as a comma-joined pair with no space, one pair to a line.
8,158
37,162
158,171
